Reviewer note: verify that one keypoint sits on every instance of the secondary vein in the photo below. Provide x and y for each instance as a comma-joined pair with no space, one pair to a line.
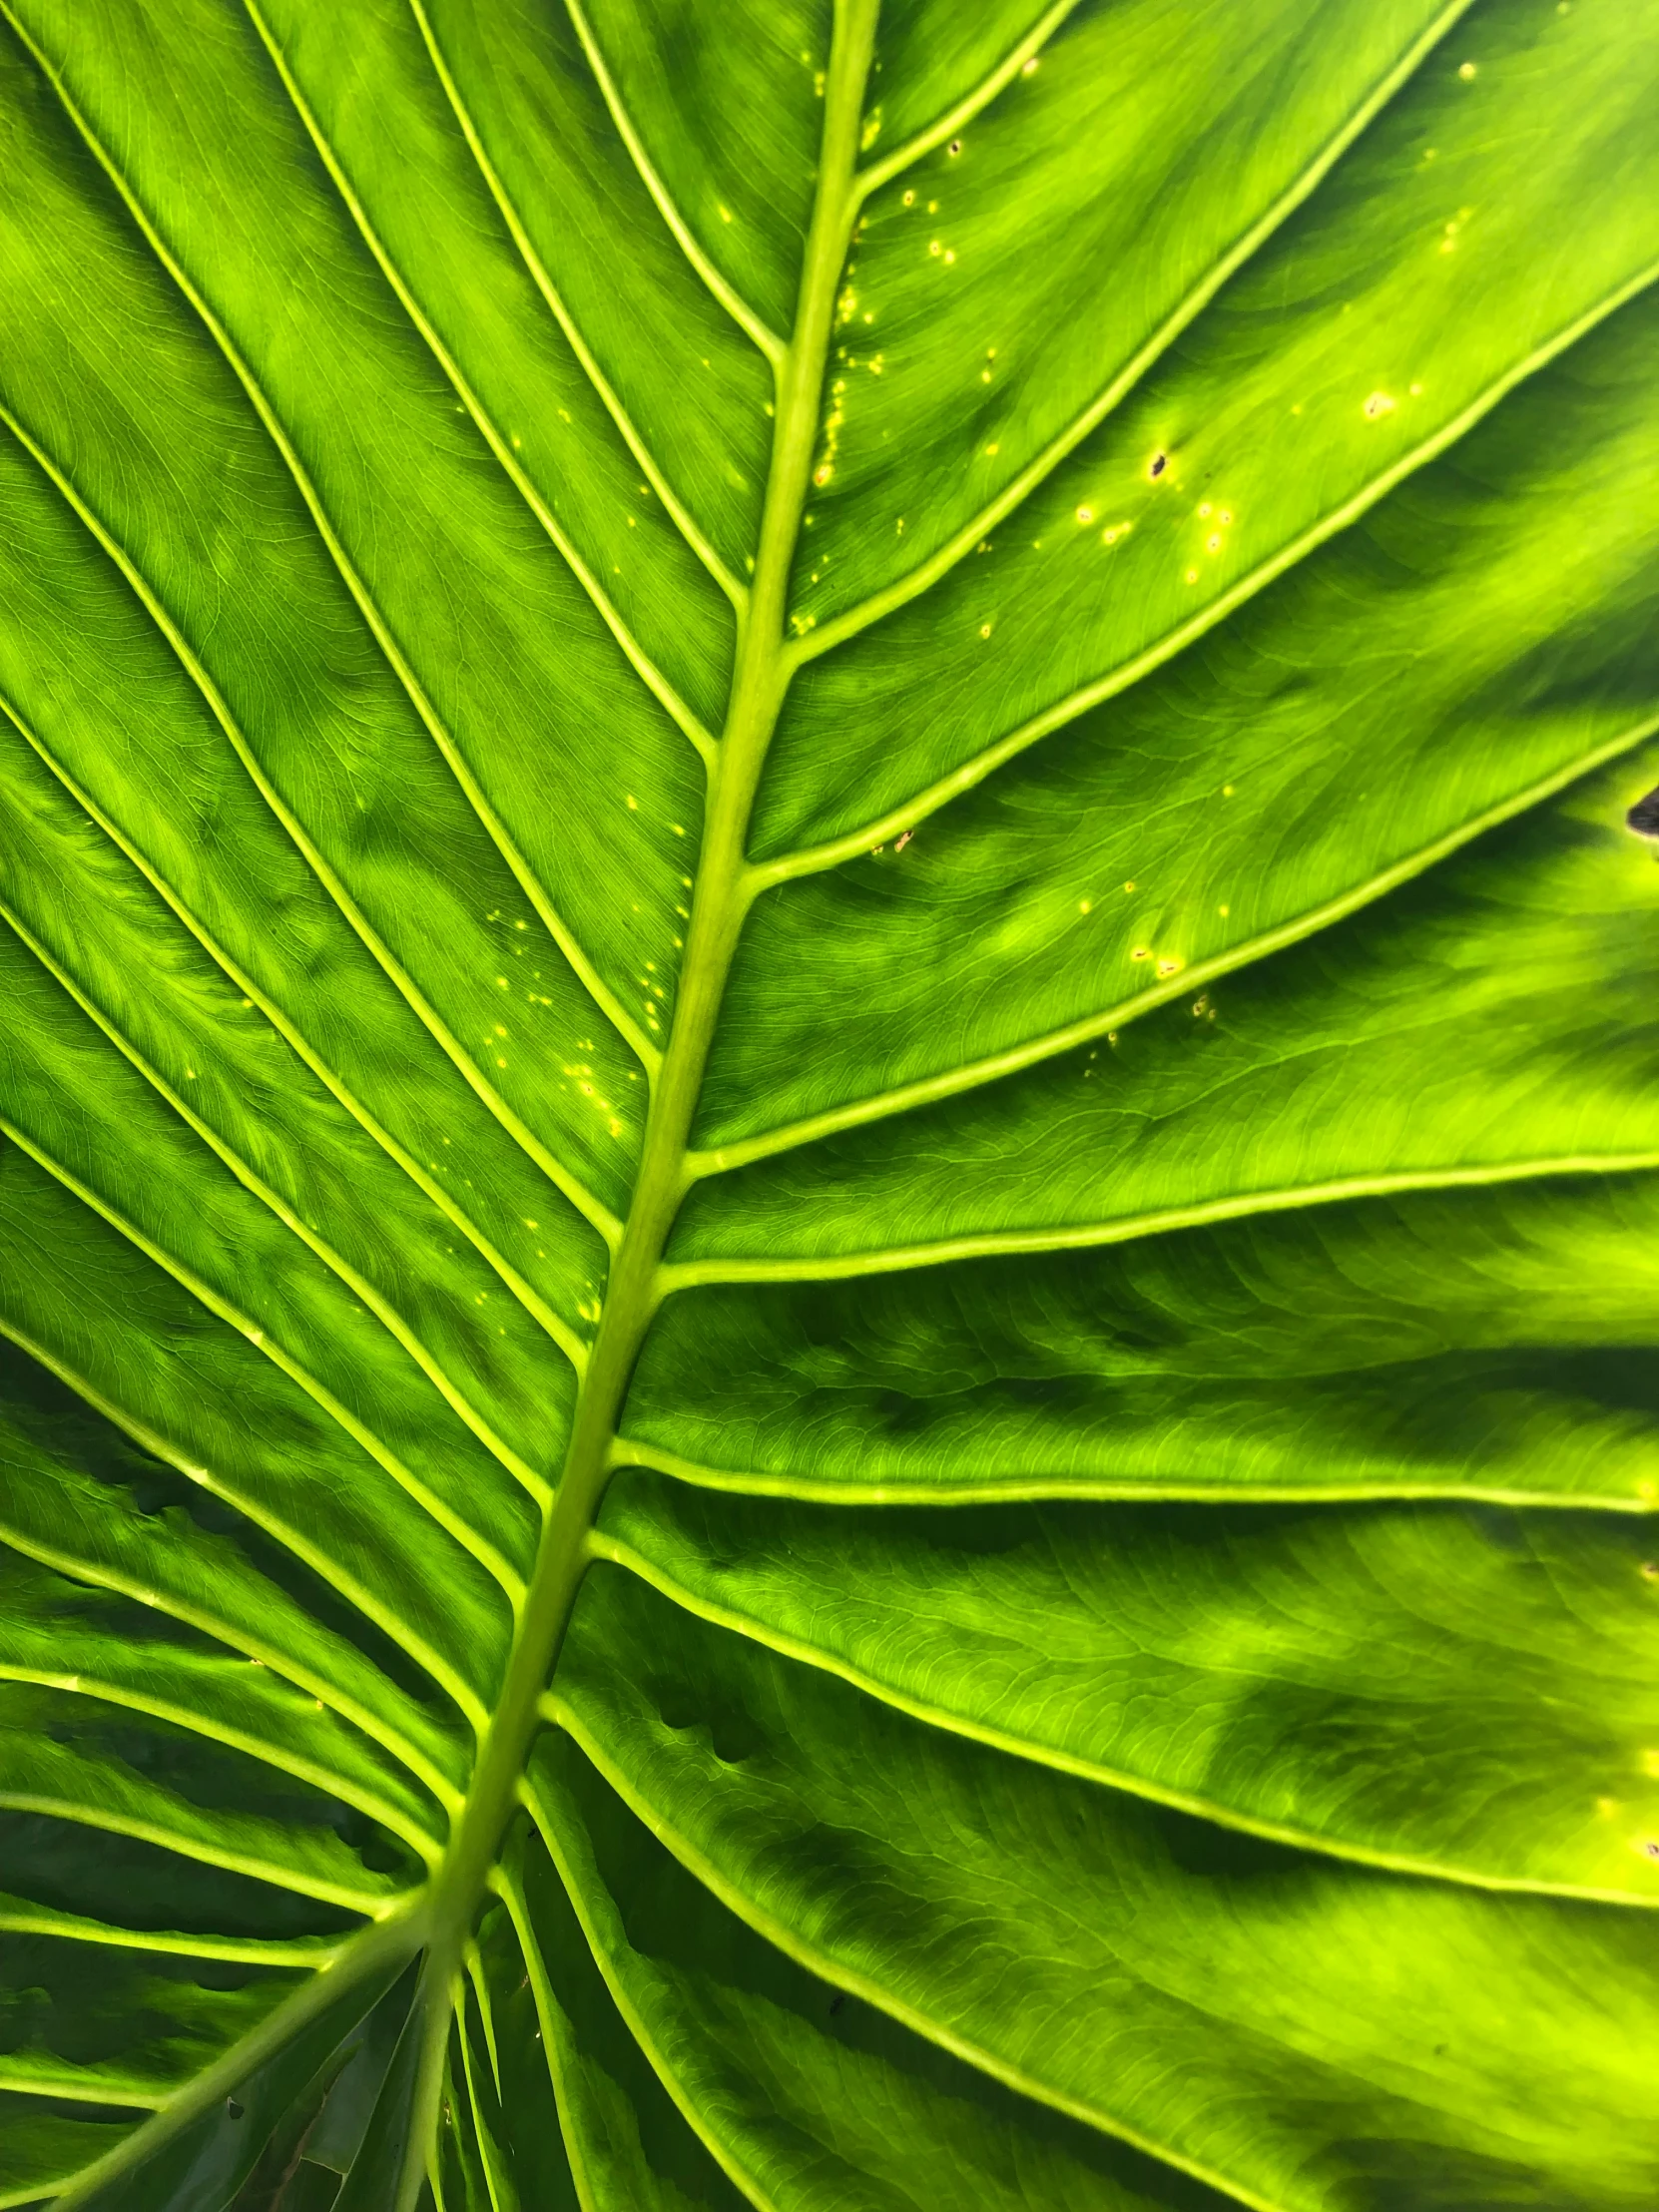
260,1748
1085,1236
586,1203
957,117
437,1508
673,505
349,575
248,988
335,1262
839,628
741,313
971,1075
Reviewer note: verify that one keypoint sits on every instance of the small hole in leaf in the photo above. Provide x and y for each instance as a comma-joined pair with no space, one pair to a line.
956,147
235,2110
1160,461
1643,817
836,2001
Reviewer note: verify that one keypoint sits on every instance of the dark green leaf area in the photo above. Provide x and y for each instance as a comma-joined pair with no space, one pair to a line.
502,2086
812,2102
215,1104
120,2027
63,1875
1268,2016
135,1157
628,2140
280,2098
96,1643
44,2142
1451,1686
133,1338
138,1531
1485,1020
1497,1340
62,1751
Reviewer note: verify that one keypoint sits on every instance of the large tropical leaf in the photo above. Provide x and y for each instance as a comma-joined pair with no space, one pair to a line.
830,1107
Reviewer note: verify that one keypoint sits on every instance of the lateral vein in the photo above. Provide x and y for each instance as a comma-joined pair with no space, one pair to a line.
895,1258
839,1973
568,1341
223,1631
310,1951
744,315
436,1509
969,1076
971,103
674,506
921,579
598,1214
368,1901
337,1264
952,1720
610,614
747,2183
503,1880
364,600
260,1748
1014,1490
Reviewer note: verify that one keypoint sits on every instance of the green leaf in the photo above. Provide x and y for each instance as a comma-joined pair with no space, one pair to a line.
827,1136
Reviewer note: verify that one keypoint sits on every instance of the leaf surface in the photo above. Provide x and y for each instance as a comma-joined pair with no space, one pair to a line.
828,1154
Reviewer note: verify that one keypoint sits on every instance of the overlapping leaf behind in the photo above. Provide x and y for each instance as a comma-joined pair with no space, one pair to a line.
830,1115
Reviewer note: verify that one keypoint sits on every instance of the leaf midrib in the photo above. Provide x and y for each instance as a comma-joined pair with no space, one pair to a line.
718,903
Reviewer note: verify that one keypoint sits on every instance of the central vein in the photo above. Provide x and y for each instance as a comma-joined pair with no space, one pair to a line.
719,901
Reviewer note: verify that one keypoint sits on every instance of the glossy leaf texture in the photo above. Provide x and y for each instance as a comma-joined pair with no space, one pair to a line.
829,1106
